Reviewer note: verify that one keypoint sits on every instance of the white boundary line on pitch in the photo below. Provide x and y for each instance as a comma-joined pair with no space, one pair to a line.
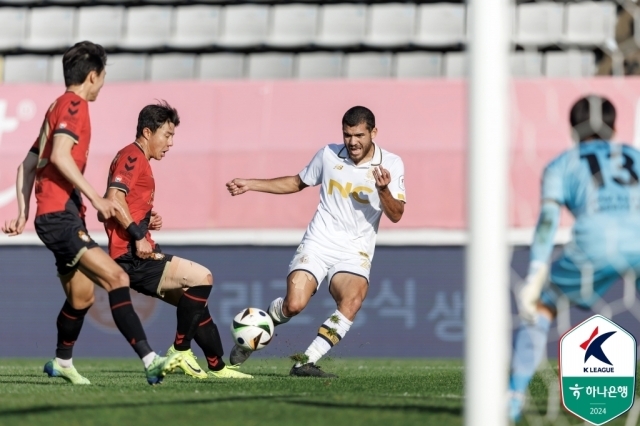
292,237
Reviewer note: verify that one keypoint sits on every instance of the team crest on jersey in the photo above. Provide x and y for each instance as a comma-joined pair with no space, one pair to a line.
338,167
83,236
369,175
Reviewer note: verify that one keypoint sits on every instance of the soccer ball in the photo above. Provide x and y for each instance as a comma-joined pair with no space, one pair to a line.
252,329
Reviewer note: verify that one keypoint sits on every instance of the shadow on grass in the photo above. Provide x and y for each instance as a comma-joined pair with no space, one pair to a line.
288,399
44,409
423,408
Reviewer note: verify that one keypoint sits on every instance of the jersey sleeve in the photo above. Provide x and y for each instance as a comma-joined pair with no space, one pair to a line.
396,186
552,182
35,148
312,174
70,119
124,172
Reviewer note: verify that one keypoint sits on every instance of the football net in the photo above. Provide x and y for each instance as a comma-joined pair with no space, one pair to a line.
576,41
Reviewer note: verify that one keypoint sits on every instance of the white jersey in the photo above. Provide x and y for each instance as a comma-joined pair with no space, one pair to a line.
349,212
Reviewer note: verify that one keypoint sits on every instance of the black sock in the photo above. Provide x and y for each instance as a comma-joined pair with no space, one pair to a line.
190,308
208,338
69,325
127,320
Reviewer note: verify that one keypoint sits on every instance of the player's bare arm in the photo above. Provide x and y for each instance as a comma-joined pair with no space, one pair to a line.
124,218
155,223
25,178
391,207
62,159
541,249
281,185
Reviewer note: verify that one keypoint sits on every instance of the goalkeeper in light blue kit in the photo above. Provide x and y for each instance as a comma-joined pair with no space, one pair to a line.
597,180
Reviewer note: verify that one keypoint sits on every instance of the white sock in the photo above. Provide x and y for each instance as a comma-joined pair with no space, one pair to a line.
329,334
148,359
275,312
64,363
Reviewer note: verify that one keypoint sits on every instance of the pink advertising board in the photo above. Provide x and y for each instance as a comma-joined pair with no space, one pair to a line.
268,129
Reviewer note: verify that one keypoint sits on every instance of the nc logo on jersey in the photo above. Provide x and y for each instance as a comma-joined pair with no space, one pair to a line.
597,361
348,190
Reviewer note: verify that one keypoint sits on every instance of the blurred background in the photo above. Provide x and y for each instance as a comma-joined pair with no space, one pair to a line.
262,86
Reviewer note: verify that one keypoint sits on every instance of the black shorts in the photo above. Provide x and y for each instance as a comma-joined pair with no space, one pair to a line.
66,235
145,274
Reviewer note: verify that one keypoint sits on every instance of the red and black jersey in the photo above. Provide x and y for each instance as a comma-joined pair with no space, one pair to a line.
130,172
68,115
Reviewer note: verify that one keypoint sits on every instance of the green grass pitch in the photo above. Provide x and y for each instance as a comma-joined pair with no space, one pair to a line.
368,392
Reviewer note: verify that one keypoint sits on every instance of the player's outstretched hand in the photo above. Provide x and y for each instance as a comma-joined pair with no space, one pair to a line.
237,186
105,207
155,223
382,176
14,227
143,248
529,294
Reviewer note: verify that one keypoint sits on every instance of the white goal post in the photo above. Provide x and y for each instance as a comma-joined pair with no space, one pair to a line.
487,319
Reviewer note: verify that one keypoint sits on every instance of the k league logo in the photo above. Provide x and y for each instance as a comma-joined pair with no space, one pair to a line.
597,362
593,348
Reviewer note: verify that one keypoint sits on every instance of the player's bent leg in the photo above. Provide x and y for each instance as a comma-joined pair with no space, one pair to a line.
207,337
79,291
349,291
529,346
192,283
104,271
301,285
582,284
98,266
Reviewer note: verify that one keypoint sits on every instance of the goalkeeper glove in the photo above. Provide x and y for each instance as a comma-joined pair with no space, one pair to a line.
530,294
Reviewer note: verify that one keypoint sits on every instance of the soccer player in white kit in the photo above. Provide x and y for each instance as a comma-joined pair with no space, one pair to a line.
359,181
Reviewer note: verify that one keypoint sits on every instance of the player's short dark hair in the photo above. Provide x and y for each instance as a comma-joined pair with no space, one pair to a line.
80,59
593,117
153,117
358,115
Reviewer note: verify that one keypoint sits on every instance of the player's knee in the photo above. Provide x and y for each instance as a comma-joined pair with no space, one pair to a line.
119,279
210,279
83,302
351,306
91,300
293,307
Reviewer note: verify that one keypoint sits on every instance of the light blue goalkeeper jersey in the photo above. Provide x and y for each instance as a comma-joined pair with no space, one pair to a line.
598,182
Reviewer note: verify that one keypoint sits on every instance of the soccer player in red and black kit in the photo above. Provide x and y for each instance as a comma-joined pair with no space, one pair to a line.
56,162
177,281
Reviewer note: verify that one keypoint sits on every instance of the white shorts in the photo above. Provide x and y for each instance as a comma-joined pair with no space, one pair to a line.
325,263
